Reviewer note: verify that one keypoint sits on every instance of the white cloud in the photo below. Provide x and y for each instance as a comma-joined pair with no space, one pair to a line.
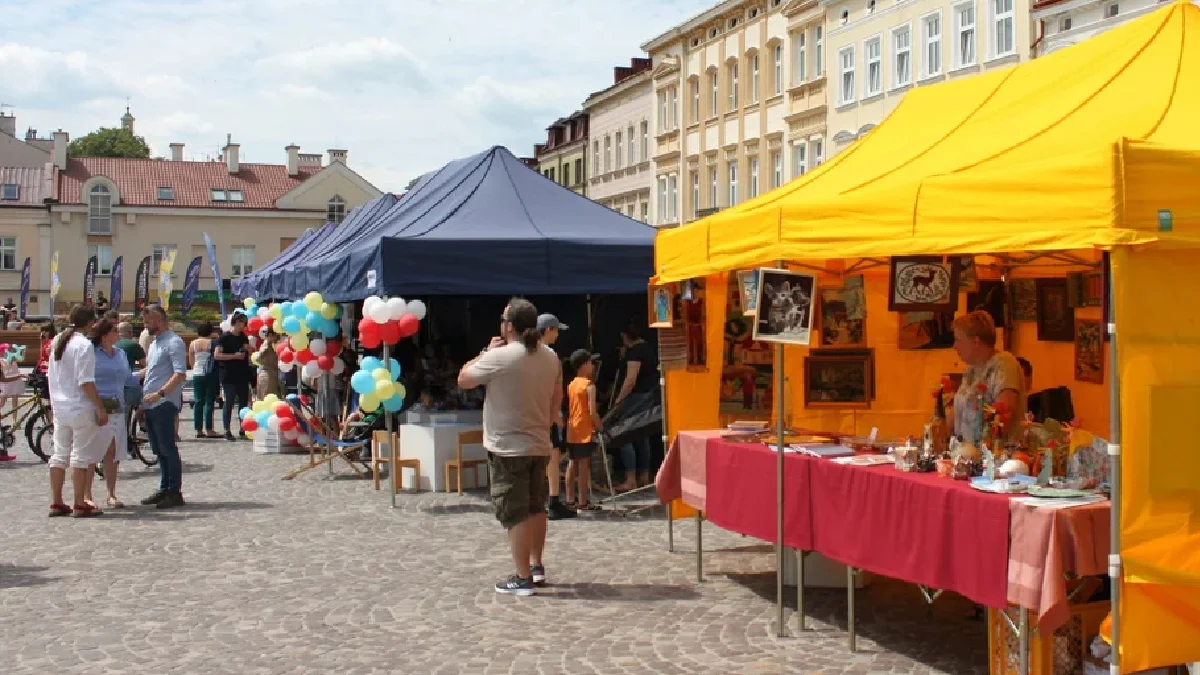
405,86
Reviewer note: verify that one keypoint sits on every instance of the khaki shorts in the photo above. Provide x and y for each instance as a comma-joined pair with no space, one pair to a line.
519,487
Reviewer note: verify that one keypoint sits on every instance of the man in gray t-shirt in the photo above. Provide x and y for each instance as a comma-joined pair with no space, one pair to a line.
524,390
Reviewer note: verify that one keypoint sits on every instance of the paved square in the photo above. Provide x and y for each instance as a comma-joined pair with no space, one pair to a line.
319,575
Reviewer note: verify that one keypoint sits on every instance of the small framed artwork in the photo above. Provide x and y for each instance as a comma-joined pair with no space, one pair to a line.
836,325
1023,299
1093,289
662,306
923,284
926,330
1089,351
785,307
989,298
1055,316
861,352
748,283
838,379
968,276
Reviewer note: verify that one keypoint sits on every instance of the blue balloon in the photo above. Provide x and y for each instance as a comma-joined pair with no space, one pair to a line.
261,417
252,310
329,329
299,310
370,364
362,382
393,403
291,324
312,320
243,413
286,309
394,368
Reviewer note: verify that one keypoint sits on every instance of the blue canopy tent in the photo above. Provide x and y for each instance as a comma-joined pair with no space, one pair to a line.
483,225
249,286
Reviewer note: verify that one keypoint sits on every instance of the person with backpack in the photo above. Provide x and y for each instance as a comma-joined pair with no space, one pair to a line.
205,383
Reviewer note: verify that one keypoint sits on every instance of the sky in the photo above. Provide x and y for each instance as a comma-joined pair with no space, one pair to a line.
404,85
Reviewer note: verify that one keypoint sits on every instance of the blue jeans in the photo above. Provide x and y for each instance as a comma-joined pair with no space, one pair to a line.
635,456
160,427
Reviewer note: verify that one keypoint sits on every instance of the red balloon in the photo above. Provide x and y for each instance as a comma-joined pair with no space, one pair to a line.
284,409
333,347
325,362
269,322
304,399
254,325
389,332
367,328
370,341
408,325
304,356
286,356
287,423
249,424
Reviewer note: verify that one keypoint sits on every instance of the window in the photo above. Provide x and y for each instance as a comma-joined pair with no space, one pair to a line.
620,151
754,13
845,16
99,210
776,169
335,209
236,196
754,78
673,94
870,6
753,177
166,193
550,173
1065,24
695,84
964,17
645,141
219,195
662,199
820,50
712,94
778,69
931,28
733,85
695,193
632,145
733,22
798,73
662,111
733,193
646,212
846,70
8,253
243,260
161,251
874,67
566,172
799,160
579,170
1112,10
902,56
713,32
673,197
818,152
596,157
10,191
607,154
1002,28
103,255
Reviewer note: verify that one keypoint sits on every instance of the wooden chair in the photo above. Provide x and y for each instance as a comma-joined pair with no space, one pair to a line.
381,454
459,465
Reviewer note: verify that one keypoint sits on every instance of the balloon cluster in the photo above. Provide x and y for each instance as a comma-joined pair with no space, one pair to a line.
299,321
387,321
377,385
10,353
274,414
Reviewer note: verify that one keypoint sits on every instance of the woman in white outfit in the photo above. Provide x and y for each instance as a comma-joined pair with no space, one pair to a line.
113,378
79,414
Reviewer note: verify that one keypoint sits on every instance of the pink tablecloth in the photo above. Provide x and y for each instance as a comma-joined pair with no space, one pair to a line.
683,474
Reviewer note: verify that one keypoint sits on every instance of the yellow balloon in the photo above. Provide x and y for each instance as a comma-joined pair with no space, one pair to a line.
400,390
369,402
250,435
276,311
381,375
384,389
303,328
328,311
299,341
254,358
270,399
248,303
259,406
313,301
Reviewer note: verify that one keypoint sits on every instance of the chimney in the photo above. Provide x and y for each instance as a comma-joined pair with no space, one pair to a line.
177,152
61,140
338,156
293,153
231,157
8,124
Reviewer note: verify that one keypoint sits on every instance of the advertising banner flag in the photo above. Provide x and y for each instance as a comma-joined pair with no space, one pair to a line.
216,269
191,284
55,284
164,279
25,287
141,285
89,280
114,290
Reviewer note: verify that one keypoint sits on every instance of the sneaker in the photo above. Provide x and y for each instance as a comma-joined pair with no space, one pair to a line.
539,575
155,498
515,585
229,436
8,458
170,501
557,511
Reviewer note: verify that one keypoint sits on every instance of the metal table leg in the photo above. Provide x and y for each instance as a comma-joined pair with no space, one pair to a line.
699,547
1023,641
800,556
670,529
850,627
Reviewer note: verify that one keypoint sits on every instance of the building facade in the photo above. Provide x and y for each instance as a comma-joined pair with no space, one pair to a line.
1062,23
880,49
736,90
28,153
563,157
25,233
619,119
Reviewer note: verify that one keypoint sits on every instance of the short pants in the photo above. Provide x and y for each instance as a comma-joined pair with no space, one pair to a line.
581,450
519,487
78,440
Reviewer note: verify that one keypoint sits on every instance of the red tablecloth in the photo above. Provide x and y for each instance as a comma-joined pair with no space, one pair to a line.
741,492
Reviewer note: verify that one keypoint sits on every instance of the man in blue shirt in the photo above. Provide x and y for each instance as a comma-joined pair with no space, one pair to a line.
162,382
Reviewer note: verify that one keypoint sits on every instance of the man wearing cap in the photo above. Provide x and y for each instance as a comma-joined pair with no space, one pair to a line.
549,327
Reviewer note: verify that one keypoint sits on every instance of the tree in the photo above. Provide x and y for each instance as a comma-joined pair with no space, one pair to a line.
411,183
107,142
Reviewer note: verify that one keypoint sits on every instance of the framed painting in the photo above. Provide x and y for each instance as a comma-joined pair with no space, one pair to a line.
990,298
968,276
748,284
785,307
835,325
838,379
1023,299
1089,351
926,330
662,306
852,351
923,284
1093,289
1055,316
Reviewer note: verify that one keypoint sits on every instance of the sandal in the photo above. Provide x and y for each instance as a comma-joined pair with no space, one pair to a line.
59,510
114,503
87,511
590,507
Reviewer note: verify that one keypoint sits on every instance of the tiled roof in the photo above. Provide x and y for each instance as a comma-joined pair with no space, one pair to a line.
138,181
33,185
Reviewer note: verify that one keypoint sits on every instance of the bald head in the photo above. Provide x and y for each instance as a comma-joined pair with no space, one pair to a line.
125,330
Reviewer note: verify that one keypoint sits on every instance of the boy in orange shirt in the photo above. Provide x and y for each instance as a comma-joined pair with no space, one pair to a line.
583,422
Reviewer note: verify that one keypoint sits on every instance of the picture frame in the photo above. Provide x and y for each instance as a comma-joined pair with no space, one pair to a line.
836,326
661,308
923,284
1094,289
853,351
1022,299
925,330
990,297
838,379
1055,315
968,275
785,307
748,285
1089,351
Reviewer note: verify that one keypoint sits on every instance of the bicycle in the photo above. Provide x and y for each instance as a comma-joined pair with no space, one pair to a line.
33,413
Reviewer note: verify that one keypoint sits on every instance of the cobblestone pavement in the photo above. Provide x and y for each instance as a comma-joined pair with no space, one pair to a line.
318,575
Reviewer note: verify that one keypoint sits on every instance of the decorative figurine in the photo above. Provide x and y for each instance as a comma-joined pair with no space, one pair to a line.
961,468
1047,467
989,464
927,441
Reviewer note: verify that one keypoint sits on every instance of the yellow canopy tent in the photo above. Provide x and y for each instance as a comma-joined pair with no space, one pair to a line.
1093,147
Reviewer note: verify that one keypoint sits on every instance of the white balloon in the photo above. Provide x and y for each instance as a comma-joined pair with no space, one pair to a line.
370,302
396,308
380,312
273,422
311,369
292,434
417,309
303,439
339,366
286,367
264,312
226,326
317,347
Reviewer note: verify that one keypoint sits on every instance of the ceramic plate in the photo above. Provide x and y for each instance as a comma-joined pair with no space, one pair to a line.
1057,493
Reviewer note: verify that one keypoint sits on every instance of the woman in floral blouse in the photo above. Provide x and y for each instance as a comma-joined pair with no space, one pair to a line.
992,377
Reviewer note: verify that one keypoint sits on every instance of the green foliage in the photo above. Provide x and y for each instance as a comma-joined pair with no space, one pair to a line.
107,142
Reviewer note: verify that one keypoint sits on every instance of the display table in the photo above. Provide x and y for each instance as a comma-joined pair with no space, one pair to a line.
434,445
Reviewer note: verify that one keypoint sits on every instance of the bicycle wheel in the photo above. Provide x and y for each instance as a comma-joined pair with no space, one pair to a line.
35,428
44,435
137,447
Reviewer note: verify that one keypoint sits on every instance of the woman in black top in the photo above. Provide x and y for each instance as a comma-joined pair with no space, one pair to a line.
640,370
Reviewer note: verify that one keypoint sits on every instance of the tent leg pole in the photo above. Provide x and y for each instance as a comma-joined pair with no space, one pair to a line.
1023,641
591,340
699,547
393,474
851,624
662,390
670,529
800,556
779,547
1114,458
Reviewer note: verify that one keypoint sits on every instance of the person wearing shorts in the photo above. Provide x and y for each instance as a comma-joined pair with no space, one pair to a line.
583,421
524,390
